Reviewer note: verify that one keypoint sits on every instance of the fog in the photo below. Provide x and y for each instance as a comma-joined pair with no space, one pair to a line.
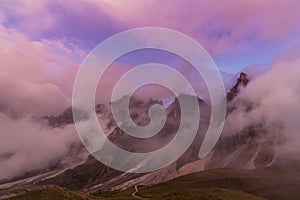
28,145
271,101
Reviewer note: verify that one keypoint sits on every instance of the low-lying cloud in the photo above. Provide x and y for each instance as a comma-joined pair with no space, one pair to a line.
271,101
28,145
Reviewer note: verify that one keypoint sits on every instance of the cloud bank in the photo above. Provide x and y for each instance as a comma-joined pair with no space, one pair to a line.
271,103
35,77
28,146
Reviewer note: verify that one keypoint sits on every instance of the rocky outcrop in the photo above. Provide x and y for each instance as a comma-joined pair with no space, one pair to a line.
242,81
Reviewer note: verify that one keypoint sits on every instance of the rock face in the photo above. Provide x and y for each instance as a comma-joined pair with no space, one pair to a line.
139,112
67,117
251,148
242,81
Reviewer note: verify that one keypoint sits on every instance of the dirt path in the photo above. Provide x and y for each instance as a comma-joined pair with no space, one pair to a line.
136,191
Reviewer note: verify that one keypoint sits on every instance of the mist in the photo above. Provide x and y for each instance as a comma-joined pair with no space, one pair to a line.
271,102
28,145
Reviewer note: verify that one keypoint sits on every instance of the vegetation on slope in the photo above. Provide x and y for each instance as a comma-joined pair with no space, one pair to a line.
51,192
268,183
218,184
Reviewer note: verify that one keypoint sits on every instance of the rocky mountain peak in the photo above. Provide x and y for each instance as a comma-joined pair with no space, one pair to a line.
242,81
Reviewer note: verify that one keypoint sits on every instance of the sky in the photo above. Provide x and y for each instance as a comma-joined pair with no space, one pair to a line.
44,42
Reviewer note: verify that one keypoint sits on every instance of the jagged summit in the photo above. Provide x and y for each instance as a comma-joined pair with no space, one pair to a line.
242,81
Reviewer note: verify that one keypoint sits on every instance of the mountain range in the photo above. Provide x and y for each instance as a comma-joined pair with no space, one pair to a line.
242,165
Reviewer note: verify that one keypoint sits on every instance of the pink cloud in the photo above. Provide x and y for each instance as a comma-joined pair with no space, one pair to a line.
222,27
36,77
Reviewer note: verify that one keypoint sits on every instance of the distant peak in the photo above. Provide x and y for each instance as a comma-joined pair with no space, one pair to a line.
242,81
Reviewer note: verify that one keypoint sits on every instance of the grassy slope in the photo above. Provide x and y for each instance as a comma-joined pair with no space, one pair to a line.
190,194
51,192
268,183
218,184
90,173
57,193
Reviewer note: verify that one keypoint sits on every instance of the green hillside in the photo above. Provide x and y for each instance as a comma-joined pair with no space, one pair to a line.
268,183
57,193
51,192
218,184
